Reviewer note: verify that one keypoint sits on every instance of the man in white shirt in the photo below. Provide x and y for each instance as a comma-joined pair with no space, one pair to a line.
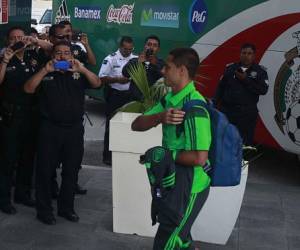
117,91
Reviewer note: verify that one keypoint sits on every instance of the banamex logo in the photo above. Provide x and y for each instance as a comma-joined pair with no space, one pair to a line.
198,16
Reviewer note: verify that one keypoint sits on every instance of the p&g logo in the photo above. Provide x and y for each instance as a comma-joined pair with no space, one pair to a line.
198,16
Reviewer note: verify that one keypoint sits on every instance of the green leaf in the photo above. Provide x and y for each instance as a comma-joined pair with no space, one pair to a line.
133,107
138,74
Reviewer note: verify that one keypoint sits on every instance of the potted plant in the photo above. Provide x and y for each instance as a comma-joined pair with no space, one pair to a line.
151,94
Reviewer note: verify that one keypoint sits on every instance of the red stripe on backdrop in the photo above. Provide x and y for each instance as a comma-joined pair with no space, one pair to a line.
262,35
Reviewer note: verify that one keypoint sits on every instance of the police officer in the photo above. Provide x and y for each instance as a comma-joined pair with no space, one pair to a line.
152,63
19,114
117,88
57,33
61,95
239,90
80,44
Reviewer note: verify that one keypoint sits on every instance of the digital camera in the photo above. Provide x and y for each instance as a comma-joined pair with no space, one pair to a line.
17,46
148,53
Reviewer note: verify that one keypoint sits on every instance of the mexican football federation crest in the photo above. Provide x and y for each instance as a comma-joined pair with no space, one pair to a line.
287,94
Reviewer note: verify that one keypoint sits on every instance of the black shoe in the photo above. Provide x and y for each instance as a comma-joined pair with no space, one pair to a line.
71,216
25,200
80,190
46,219
8,209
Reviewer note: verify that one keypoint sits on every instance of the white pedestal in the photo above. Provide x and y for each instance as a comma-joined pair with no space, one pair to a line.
217,218
131,189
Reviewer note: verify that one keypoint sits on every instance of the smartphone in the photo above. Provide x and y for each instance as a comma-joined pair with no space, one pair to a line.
148,53
62,65
77,35
240,70
17,46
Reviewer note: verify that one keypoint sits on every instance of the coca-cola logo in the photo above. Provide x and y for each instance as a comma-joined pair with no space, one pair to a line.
120,15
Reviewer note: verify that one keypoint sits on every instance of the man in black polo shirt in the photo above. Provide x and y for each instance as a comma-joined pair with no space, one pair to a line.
153,65
61,93
80,44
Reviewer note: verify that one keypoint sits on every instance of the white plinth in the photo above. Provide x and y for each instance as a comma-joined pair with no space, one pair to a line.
131,190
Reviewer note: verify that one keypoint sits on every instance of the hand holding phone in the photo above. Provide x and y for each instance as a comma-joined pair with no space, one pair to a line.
17,46
240,74
62,65
240,70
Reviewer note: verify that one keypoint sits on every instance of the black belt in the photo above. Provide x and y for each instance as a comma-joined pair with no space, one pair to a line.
64,124
239,106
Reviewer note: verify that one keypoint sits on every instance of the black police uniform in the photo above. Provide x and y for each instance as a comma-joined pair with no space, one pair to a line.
238,99
19,126
153,72
60,138
79,53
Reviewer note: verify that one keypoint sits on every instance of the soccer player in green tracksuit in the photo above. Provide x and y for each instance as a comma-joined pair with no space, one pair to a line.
189,148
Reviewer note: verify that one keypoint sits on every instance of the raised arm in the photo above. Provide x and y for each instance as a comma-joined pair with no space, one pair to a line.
32,84
145,122
92,78
8,54
91,58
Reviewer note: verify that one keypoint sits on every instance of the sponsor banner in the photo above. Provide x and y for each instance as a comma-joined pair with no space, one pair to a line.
3,11
87,12
62,13
198,16
160,16
122,15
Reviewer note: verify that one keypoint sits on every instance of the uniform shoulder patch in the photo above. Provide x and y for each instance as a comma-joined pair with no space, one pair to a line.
229,64
105,61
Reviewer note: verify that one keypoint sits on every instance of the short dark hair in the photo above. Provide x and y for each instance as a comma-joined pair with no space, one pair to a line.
248,46
12,29
62,43
126,39
54,27
33,30
65,22
187,57
154,37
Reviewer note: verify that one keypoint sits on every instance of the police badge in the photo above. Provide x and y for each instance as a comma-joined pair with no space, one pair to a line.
76,75
253,74
75,52
33,63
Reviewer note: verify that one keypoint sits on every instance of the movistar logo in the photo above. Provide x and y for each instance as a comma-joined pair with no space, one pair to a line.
147,16
160,16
